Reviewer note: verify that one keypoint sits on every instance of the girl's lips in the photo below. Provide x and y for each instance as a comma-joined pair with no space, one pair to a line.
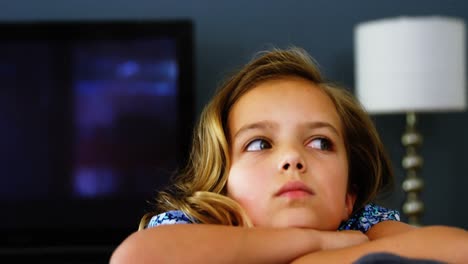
294,189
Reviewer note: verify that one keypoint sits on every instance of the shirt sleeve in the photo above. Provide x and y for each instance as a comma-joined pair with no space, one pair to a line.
370,215
169,218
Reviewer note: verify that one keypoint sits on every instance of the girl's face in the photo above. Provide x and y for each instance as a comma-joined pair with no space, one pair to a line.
289,165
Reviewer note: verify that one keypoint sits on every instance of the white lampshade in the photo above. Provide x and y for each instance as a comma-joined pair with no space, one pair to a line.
411,64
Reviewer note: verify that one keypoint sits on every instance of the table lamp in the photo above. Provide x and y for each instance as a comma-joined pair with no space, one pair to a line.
411,65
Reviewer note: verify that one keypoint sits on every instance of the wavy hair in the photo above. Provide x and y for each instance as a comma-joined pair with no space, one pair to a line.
200,189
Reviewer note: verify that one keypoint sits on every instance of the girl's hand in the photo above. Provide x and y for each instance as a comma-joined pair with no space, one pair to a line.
341,239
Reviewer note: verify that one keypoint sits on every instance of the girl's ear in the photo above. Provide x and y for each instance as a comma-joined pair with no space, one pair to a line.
349,204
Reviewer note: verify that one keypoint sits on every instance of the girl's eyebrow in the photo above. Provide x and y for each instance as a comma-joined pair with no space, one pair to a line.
262,125
321,124
266,125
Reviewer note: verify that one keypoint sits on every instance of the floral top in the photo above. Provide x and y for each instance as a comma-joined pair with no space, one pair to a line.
362,220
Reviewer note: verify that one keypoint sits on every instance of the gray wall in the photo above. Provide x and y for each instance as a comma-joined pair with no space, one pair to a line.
227,33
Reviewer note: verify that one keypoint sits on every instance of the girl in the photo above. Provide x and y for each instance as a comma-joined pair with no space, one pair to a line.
281,159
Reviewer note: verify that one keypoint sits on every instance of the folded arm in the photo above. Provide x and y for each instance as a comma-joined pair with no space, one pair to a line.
199,243
441,243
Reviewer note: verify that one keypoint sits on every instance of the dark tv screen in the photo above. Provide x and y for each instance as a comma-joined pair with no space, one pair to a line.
94,118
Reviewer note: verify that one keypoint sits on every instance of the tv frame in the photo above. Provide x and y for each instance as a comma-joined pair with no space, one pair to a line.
88,238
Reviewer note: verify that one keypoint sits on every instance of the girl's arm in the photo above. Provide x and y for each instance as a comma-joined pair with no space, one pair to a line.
200,243
387,229
448,244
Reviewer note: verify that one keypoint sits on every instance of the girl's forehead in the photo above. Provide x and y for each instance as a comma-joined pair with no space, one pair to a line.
291,98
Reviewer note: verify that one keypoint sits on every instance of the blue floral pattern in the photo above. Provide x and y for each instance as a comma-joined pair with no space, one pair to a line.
169,218
368,216
362,220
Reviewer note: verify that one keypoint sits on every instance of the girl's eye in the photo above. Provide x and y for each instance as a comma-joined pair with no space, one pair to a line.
322,144
258,144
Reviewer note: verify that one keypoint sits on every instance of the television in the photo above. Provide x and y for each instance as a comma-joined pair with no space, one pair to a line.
95,116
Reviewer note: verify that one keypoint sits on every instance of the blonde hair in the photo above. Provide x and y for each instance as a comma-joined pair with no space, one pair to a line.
200,190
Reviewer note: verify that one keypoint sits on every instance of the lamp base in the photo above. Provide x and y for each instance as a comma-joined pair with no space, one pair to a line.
413,207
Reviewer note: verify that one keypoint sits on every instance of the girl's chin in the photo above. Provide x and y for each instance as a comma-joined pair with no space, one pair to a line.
304,220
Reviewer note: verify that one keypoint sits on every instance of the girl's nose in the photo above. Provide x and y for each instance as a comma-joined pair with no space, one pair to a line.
287,166
292,161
